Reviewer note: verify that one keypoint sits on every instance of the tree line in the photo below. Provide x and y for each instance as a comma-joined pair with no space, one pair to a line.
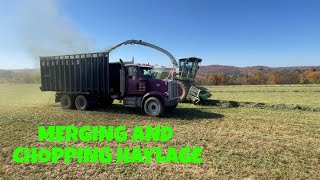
311,76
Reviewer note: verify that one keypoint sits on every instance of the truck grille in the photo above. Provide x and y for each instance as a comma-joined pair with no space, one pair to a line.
173,89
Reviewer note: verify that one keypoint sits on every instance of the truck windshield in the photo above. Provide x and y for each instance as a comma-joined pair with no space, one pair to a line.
147,72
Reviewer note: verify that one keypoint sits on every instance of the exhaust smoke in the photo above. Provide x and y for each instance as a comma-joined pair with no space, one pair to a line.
46,31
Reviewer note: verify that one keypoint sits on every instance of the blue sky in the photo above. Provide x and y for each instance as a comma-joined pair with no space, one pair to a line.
228,32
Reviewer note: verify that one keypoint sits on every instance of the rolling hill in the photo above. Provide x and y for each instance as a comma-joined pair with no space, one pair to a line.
232,70
33,75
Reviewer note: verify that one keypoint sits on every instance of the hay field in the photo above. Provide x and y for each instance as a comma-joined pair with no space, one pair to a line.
237,143
305,95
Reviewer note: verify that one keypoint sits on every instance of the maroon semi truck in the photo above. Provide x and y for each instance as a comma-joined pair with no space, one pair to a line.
83,81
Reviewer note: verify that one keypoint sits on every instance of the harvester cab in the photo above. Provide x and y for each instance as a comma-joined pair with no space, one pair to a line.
188,68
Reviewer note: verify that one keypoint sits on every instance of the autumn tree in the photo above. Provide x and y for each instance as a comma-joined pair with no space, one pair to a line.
272,78
245,79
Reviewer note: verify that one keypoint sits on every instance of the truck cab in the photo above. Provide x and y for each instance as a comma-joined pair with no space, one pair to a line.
145,90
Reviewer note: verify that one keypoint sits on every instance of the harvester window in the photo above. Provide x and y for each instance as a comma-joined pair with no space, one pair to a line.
187,69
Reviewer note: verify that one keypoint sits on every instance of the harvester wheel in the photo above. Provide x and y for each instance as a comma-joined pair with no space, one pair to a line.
183,89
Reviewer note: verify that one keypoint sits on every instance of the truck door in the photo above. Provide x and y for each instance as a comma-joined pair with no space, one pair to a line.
133,81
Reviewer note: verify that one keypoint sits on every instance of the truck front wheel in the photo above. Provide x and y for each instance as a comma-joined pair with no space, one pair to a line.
82,103
67,102
153,107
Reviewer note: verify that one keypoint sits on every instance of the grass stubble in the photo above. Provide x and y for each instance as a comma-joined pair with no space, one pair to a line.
237,143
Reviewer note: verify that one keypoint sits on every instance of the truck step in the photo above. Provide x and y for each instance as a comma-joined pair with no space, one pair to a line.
132,101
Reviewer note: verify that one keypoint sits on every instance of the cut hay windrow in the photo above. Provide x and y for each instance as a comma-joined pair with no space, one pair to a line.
236,104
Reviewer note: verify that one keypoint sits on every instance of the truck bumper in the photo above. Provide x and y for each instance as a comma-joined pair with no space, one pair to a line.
171,102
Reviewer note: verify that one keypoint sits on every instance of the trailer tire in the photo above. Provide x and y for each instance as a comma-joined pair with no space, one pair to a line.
82,103
183,89
67,102
153,107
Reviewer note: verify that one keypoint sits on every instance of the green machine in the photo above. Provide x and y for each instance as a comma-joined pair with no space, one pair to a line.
184,72
188,68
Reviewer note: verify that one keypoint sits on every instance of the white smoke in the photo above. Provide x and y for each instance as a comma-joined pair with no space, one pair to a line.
45,30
